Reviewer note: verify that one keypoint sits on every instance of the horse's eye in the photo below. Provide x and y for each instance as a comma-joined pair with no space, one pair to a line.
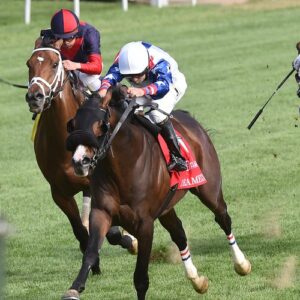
55,65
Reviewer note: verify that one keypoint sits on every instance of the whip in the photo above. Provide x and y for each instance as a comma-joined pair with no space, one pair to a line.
261,110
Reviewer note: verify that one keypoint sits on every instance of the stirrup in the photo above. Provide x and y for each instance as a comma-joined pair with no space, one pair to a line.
177,164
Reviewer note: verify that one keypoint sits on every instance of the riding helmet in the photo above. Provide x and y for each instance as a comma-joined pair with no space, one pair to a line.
64,24
133,59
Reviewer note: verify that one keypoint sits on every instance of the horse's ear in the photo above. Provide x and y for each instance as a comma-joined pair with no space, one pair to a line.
70,125
58,43
123,90
38,43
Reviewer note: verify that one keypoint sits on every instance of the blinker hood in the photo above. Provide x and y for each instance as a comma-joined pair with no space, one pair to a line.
81,137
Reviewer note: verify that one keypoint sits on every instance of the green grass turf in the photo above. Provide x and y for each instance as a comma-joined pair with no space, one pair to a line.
233,59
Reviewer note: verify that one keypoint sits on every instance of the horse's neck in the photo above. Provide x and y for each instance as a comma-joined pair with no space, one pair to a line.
131,140
62,109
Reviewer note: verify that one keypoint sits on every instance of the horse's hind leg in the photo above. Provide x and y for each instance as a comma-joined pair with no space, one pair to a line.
212,197
173,225
69,206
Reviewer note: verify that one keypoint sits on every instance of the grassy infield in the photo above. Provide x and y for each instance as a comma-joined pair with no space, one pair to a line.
233,58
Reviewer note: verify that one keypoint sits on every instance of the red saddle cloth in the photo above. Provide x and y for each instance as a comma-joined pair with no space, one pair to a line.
190,178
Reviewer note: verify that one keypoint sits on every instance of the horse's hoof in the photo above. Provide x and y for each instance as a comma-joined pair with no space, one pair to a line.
200,284
133,249
243,268
71,295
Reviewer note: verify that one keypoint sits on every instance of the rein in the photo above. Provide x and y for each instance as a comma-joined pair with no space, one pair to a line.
13,84
101,151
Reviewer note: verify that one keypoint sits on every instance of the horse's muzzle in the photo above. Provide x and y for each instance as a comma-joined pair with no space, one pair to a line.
81,167
35,101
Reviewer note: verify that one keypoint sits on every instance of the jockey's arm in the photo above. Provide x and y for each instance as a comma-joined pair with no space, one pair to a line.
94,63
93,66
112,77
161,79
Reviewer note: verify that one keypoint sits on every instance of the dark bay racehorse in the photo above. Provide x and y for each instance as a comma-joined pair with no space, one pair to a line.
50,94
130,186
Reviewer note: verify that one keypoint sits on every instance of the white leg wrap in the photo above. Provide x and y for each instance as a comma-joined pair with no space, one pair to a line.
86,209
237,254
190,269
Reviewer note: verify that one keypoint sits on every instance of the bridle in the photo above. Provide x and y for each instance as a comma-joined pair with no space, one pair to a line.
107,138
91,112
56,86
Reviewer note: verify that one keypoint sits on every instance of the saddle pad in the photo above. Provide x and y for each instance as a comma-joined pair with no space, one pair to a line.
190,178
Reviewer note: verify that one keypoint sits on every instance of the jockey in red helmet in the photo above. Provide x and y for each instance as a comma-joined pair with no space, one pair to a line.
80,48
64,24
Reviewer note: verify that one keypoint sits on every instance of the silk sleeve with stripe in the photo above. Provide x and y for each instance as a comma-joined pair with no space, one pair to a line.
161,78
112,77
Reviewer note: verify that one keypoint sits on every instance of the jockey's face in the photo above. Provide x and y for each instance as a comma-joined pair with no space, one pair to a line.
138,78
69,43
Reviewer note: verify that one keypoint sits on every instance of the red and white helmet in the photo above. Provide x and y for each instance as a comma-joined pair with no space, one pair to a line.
133,59
64,24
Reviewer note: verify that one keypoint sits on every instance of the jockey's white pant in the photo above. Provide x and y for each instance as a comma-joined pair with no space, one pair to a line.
168,102
92,82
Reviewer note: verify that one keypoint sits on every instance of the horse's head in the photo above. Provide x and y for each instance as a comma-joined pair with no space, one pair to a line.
46,75
87,132
90,129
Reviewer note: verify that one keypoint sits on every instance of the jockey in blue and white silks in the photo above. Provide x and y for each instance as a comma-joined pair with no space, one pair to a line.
154,76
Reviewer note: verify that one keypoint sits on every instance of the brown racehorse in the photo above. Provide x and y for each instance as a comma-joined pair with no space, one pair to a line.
51,94
130,185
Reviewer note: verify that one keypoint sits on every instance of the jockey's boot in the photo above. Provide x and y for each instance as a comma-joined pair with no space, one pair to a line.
178,163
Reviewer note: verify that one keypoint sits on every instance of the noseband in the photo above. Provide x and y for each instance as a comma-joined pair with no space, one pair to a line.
58,81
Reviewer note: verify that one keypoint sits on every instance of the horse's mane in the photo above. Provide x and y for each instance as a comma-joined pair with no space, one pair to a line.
118,94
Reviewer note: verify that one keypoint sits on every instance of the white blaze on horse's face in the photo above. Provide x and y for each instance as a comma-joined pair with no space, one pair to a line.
81,160
40,59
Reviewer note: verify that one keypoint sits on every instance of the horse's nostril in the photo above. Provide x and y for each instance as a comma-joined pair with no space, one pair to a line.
86,161
38,96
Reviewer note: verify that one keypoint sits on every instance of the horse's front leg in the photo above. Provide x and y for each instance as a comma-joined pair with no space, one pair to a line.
69,206
141,277
100,223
